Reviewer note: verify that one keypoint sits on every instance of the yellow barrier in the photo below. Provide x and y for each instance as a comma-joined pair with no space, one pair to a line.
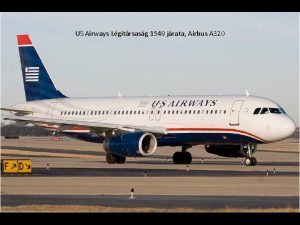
16,166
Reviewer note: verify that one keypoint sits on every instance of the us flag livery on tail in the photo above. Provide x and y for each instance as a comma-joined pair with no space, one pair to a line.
228,125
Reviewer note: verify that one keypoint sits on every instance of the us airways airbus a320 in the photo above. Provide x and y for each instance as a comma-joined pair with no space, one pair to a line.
229,126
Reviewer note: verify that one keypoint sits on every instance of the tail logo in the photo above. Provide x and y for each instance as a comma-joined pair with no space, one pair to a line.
32,74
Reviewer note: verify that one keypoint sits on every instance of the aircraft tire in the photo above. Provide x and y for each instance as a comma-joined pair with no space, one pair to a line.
187,158
111,159
182,158
253,161
121,159
248,161
176,157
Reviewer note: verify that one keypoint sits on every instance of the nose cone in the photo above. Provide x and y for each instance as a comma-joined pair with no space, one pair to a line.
288,127
281,127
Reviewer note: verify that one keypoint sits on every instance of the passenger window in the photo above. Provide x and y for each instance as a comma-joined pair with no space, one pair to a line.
264,111
216,111
256,111
224,111
274,110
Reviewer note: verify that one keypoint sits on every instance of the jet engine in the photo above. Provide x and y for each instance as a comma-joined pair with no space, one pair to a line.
227,150
131,144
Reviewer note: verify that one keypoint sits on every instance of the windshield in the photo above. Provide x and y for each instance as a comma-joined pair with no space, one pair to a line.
275,110
264,111
281,109
269,110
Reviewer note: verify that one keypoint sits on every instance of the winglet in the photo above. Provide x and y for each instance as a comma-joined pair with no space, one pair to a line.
24,39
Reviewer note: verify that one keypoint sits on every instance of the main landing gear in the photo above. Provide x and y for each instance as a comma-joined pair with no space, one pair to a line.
111,159
250,160
182,157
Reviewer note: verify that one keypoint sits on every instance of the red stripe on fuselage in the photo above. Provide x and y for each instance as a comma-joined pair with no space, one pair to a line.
73,128
216,129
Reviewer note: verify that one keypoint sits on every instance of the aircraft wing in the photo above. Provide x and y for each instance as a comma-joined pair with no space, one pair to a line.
95,127
17,111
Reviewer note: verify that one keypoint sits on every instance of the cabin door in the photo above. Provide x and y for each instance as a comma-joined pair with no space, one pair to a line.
50,109
235,113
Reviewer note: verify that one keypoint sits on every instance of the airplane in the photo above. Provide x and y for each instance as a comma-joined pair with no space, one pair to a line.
227,125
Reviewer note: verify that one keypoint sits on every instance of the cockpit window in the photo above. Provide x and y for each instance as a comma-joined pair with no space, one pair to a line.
256,111
269,110
275,110
264,111
282,110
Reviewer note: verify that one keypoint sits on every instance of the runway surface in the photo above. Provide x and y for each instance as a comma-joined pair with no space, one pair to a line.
155,201
78,174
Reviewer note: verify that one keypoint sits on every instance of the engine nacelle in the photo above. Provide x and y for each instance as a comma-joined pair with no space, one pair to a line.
226,150
131,144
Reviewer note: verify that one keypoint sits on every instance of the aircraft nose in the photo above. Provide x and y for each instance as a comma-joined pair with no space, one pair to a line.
288,127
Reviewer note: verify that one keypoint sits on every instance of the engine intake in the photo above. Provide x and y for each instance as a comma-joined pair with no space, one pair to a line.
131,144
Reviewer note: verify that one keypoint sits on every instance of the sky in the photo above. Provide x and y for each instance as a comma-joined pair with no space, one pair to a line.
259,53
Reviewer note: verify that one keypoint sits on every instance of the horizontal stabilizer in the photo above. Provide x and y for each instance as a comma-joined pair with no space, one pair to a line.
18,111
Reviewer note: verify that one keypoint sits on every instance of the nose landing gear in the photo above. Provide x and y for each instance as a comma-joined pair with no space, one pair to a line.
250,160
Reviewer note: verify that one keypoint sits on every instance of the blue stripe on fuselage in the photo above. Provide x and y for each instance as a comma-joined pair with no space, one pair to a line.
179,139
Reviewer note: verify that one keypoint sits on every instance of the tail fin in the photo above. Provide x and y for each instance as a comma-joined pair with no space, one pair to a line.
37,82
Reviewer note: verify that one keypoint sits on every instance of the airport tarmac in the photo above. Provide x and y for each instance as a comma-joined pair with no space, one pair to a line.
78,174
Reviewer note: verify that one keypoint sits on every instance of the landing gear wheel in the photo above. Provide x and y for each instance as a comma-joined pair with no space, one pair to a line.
182,158
250,161
188,158
247,161
111,159
176,157
121,159
253,161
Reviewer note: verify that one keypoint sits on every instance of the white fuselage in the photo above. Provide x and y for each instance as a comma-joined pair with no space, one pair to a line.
232,115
